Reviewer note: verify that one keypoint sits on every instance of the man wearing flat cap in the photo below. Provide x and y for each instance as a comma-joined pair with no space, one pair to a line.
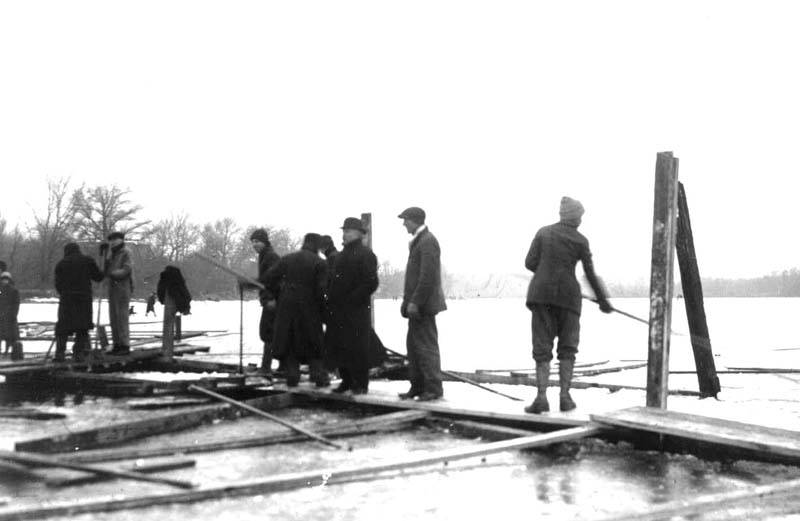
352,281
423,298
554,298
119,270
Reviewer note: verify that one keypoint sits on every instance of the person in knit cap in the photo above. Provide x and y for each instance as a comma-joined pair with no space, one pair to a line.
554,298
267,258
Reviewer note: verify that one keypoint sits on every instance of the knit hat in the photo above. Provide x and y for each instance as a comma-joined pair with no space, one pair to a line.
5,275
570,210
260,235
116,235
311,241
71,248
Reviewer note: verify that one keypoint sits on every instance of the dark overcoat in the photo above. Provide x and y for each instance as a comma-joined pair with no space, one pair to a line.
352,281
300,278
552,257
423,282
9,309
172,283
73,280
267,258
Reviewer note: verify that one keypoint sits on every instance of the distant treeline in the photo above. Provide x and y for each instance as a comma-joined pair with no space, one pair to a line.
784,284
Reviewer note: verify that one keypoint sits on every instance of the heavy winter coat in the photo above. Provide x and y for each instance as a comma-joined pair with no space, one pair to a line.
354,278
423,282
172,283
267,258
73,280
301,278
554,252
9,309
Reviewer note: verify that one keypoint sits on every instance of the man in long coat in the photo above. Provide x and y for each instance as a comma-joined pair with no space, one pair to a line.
554,298
267,258
301,277
119,270
73,280
423,298
9,309
348,335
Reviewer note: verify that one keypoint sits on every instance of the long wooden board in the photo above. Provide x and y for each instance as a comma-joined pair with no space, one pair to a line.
379,423
117,433
312,478
147,467
768,441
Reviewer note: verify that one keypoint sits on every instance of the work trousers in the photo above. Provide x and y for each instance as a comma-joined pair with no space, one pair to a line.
80,347
119,301
422,346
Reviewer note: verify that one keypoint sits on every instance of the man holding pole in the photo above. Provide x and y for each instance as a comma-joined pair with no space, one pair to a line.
267,258
554,298
119,270
423,298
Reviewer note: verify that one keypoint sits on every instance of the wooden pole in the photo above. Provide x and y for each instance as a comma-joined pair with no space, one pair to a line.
693,300
665,209
366,218
168,329
227,269
267,415
30,459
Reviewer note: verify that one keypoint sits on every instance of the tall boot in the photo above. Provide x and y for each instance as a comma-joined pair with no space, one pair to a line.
266,361
540,403
565,368
61,348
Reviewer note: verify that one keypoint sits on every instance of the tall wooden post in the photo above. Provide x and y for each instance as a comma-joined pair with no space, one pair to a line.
168,329
693,300
366,218
665,211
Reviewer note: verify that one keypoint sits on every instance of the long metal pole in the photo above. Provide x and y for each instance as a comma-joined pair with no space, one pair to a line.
241,329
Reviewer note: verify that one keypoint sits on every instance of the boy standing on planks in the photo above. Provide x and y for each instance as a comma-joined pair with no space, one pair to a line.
554,298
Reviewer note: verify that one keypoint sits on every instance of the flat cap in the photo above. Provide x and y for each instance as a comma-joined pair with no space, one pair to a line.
413,213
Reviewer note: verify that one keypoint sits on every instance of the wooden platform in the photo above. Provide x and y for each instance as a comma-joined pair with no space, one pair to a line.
744,436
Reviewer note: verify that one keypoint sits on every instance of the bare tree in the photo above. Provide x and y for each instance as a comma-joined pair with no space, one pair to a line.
103,209
53,226
9,242
173,238
218,240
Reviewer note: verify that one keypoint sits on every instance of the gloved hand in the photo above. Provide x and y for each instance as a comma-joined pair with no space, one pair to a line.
605,306
412,311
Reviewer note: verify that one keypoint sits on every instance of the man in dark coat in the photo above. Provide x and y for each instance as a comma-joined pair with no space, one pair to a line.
119,270
73,280
423,298
301,277
351,283
9,310
554,298
267,258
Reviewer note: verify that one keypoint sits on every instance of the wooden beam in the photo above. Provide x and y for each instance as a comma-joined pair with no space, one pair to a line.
379,423
707,379
306,479
665,211
36,460
121,432
147,467
486,431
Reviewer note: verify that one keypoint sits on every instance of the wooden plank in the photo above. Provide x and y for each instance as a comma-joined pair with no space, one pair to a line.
531,381
193,366
746,436
163,403
30,414
665,209
707,379
710,503
379,423
484,430
537,421
305,479
27,458
121,432
147,467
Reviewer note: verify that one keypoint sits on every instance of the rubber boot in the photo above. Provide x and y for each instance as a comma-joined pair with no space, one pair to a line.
61,348
565,368
266,362
540,403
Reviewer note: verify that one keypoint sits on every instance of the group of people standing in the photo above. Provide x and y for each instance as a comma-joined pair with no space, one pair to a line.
318,311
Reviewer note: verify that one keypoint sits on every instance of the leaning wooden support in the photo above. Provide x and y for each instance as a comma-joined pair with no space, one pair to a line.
665,211
306,479
267,415
693,300
239,275
36,460
379,423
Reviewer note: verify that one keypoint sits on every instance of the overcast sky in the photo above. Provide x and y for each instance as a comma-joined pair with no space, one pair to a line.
299,114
